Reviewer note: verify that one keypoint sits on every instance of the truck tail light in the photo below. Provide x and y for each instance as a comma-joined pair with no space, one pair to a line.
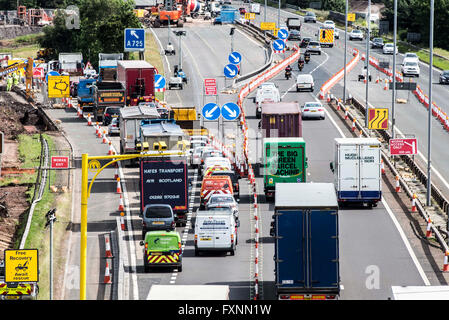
179,245
172,224
144,223
196,239
232,238
106,114
306,109
284,297
320,109
146,246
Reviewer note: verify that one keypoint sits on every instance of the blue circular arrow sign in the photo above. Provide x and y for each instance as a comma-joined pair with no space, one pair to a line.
159,81
230,70
282,34
230,111
278,45
211,111
51,73
235,58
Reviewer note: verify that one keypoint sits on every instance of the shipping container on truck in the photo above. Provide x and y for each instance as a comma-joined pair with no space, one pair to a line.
164,180
108,94
107,66
130,118
306,245
229,15
284,161
137,76
357,170
281,119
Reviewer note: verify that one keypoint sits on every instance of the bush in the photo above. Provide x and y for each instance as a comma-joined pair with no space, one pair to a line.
402,34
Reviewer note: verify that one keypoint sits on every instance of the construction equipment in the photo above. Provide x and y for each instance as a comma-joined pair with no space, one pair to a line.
28,66
173,12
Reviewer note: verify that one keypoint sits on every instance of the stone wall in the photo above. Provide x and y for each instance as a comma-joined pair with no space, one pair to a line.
12,31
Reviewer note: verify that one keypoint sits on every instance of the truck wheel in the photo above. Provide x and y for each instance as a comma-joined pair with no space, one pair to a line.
232,252
180,23
180,268
156,23
197,253
143,234
146,268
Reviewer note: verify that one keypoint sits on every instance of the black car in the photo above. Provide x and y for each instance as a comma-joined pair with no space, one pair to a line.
294,35
109,113
377,43
444,77
305,42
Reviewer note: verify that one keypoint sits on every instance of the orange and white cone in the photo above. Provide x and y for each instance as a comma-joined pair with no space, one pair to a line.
97,130
121,206
78,114
119,187
111,151
429,229
89,120
398,186
70,103
107,275
414,203
377,79
382,167
346,113
360,133
122,223
116,174
386,85
338,106
108,248
328,97
104,138
446,262
353,125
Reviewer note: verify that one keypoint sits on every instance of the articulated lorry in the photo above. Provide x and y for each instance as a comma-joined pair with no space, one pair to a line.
71,63
107,94
164,180
85,94
306,245
357,171
137,77
281,119
107,66
284,160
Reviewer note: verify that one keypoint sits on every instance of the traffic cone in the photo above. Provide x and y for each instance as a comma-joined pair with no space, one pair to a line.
96,129
80,114
121,206
386,85
107,275
377,79
398,186
119,187
111,151
89,120
353,125
328,97
364,80
346,113
338,106
99,132
104,137
108,248
116,174
360,133
382,167
446,263
429,229
414,203
70,105
122,223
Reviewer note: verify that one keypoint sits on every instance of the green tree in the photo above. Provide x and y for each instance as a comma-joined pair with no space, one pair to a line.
102,23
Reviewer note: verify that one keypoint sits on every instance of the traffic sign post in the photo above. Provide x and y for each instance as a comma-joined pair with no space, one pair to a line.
59,162
351,17
278,45
235,58
403,146
378,119
21,265
159,82
59,86
267,25
210,87
282,34
134,40
250,15
211,111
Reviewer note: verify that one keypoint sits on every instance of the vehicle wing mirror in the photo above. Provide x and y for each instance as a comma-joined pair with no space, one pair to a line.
331,165
141,242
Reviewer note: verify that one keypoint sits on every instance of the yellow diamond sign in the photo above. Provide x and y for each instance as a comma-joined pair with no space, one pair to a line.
21,265
58,86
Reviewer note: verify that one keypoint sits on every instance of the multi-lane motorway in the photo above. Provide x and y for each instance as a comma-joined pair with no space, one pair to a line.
374,252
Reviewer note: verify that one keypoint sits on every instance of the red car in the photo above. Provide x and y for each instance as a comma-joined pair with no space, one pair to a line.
242,10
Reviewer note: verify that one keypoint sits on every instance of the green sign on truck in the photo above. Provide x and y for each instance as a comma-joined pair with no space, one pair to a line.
284,161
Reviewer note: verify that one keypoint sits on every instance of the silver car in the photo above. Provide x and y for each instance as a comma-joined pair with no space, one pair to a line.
314,47
113,127
217,201
355,34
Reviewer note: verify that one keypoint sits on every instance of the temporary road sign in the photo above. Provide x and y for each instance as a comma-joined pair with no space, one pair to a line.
378,119
403,85
278,45
134,39
38,72
267,25
235,58
51,73
351,17
211,111
282,34
403,146
21,265
210,87
230,111
250,15
58,86
58,162
231,70
159,81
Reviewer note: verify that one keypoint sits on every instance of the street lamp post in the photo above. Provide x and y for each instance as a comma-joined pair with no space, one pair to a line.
346,37
279,14
180,34
429,120
367,62
393,97
265,12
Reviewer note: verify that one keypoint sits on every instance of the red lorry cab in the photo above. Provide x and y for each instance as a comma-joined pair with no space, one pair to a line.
137,77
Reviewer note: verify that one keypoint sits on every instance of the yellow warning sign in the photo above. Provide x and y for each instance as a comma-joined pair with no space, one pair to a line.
351,17
21,265
326,35
267,25
378,118
94,166
58,86
275,32
250,16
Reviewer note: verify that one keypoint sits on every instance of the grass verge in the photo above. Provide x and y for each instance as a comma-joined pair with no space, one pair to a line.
153,56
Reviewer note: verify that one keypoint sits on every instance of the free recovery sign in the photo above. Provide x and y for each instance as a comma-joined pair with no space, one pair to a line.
21,265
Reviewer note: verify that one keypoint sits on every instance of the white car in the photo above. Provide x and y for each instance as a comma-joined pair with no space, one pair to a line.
355,34
312,110
196,156
217,201
410,68
305,82
411,56
389,48
204,138
331,24
267,92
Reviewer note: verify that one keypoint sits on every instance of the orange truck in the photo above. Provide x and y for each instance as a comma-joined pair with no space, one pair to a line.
214,185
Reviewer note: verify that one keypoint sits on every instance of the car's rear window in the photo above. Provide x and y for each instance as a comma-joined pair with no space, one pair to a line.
158,212
112,110
220,199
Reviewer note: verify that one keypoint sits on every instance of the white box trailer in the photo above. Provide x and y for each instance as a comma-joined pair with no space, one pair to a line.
255,8
188,292
357,170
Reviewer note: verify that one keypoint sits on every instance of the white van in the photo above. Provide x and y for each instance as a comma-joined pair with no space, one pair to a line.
304,82
266,93
215,233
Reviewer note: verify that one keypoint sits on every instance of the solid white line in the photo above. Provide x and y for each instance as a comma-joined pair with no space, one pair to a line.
396,223
162,48
407,244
